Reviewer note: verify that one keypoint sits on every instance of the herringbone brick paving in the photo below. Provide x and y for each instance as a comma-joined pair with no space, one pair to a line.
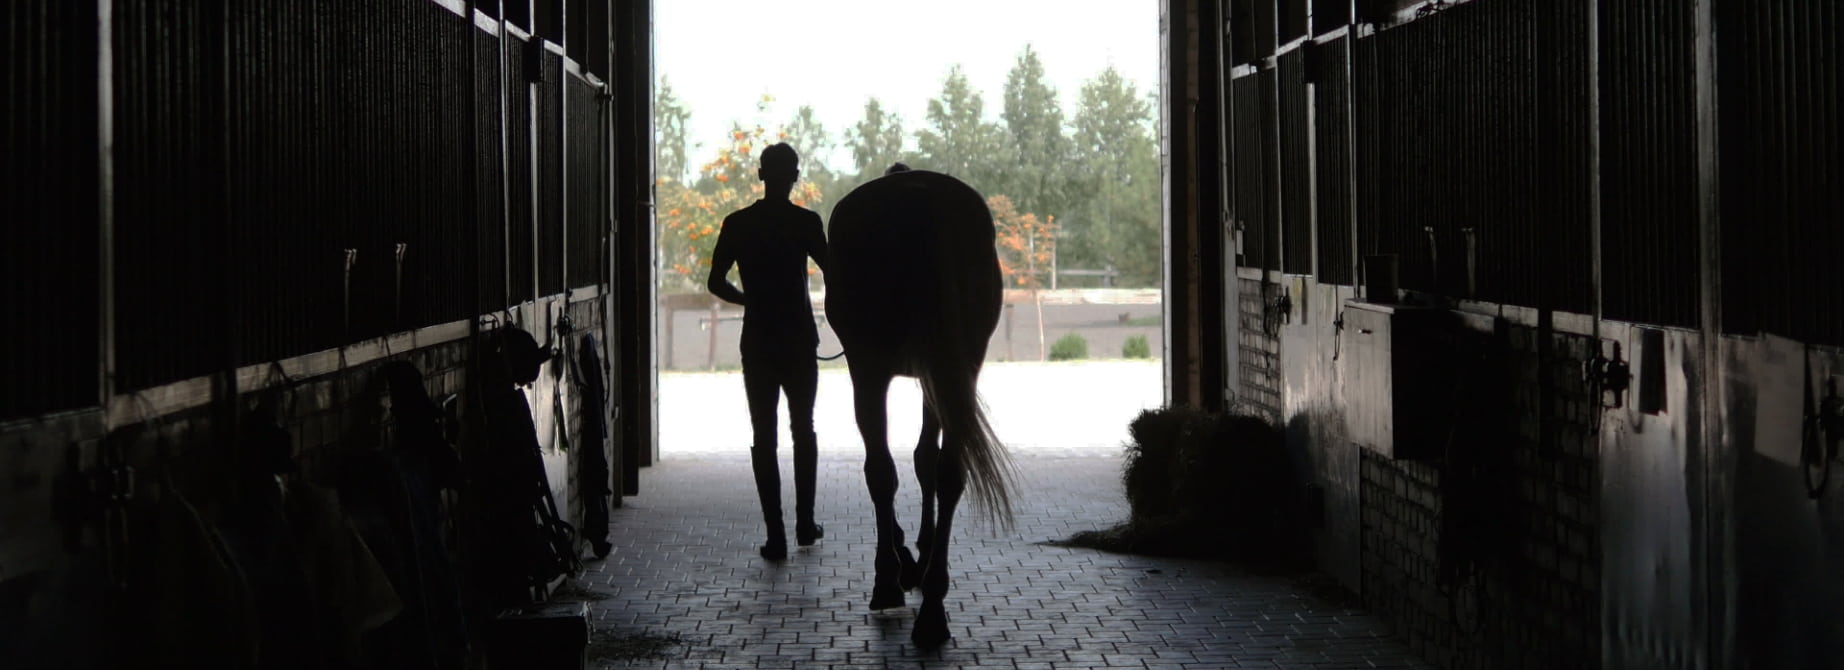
685,564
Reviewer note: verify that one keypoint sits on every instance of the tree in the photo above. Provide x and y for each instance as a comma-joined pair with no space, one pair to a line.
876,141
1027,247
669,118
690,217
1026,243
1116,220
958,139
1039,152
814,145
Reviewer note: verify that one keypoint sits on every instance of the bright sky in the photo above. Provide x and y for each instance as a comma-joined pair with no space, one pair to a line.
834,54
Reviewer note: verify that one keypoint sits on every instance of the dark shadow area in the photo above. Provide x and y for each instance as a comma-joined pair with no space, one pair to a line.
1209,485
616,646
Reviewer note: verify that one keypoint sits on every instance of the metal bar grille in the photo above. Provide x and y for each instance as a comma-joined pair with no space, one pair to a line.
1371,100
1268,139
1296,169
428,70
1249,171
169,189
519,246
48,178
353,52
1332,161
1291,19
586,131
1780,153
1649,264
1263,27
1329,15
1565,274
1473,152
288,175
290,297
441,291
550,175
490,235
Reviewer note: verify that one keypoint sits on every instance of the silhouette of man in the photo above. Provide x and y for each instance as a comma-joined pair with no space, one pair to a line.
770,242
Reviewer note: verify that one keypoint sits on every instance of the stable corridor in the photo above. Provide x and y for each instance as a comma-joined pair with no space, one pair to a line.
685,566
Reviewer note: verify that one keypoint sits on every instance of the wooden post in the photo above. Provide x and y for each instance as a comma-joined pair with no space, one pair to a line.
670,310
1008,333
710,357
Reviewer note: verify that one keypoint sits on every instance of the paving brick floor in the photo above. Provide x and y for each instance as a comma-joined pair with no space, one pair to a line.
685,565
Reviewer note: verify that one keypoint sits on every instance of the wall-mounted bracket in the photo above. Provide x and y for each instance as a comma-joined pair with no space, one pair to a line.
1608,378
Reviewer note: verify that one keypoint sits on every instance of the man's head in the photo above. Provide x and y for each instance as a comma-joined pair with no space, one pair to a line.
780,165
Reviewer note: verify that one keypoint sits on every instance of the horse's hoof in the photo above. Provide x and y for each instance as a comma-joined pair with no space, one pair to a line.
931,629
911,576
886,597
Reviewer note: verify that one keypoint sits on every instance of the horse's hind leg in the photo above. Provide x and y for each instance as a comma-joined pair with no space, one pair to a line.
928,456
868,392
931,627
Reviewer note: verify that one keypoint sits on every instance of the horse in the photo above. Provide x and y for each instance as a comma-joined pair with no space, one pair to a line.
914,289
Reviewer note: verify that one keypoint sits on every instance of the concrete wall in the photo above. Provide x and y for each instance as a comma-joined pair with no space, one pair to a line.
1104,318
1780,578
1487,560
1598,529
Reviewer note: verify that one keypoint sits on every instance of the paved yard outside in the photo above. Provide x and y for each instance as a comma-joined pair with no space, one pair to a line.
1081,406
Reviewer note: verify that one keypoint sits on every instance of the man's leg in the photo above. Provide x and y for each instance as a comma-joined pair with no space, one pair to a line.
802,386
764,391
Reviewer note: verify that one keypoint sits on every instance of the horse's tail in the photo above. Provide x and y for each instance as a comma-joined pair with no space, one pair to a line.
950,378
949,385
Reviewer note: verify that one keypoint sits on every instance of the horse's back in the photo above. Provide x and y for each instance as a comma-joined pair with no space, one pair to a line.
906,249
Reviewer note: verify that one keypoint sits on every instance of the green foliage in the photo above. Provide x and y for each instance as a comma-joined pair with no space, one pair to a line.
813,143
690,216
876,141
670,149
1071,347
1090,174
1136,347
1039,161
1113,215
958,140
1026,244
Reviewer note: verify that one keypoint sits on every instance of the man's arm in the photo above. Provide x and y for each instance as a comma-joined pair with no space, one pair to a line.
722,258
816,243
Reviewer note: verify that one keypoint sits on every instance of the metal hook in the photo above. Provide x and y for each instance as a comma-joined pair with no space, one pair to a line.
1434,256
1472,251
397,307
352,257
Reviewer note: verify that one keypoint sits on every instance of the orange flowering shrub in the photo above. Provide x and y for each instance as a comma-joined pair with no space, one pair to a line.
689,216
1027,244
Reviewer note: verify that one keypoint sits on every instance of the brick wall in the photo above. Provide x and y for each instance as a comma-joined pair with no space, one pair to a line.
1516,583
1260,344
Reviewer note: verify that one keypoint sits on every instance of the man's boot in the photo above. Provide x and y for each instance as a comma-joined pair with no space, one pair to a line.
806,465
768,487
